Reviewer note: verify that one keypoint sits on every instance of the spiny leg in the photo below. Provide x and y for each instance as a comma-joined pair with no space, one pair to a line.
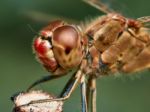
70,86
99,5
91,93
88,92
43,79
83,94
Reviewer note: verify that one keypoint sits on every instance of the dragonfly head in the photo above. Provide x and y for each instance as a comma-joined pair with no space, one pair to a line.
59,45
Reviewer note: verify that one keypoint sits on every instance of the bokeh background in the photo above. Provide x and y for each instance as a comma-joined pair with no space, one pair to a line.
18,67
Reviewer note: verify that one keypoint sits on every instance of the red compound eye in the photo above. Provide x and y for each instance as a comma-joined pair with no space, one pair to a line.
66,37
66,41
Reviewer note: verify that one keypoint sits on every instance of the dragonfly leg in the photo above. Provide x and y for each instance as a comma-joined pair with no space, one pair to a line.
83,94
70,86
91,93
43,79
88,92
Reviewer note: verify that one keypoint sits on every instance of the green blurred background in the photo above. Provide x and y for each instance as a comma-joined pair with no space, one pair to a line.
18,67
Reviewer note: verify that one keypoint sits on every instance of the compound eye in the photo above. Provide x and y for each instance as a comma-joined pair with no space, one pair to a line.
47,31
66,37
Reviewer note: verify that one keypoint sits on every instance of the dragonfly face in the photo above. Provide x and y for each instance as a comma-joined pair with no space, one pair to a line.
59,47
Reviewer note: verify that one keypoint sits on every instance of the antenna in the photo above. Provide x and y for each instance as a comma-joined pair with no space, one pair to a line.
32,30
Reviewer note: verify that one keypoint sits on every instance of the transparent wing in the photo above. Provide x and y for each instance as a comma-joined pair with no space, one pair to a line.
44,17
145,20
110,6
99,5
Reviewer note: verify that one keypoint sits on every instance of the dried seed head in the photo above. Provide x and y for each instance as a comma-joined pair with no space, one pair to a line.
23,99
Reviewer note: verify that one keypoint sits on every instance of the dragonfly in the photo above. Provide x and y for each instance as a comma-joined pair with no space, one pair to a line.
107,45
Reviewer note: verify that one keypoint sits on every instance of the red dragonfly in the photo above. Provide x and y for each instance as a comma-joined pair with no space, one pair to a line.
109,44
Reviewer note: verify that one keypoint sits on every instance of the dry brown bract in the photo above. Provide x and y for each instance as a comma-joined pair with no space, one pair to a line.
22,102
